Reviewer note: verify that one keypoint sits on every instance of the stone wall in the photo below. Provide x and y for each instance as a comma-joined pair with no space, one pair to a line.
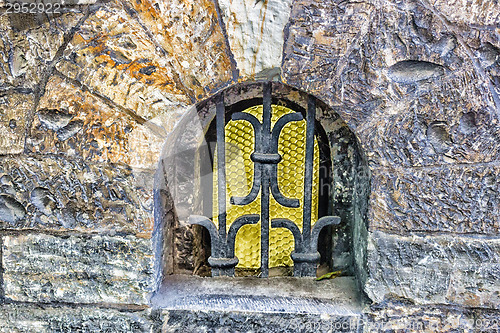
89,96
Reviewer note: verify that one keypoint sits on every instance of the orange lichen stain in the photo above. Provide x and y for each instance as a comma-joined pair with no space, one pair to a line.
198,21
160,77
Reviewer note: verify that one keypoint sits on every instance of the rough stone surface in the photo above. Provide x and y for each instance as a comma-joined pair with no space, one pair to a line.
28,43
58,194
233,321
73,122
457,199
84,269
400,316
417,81
122,64
473,12
255,32
441,107
440,269
14,108
44,319
192,42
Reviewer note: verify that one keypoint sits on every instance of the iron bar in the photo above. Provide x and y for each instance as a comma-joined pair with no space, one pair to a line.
221,170
264,200
308,174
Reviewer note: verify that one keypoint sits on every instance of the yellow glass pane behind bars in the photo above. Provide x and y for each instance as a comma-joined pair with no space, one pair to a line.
240,138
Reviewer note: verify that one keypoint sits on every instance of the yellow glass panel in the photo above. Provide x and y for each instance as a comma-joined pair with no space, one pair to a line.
240,138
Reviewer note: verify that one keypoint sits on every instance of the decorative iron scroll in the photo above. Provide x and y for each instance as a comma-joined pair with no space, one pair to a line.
265,158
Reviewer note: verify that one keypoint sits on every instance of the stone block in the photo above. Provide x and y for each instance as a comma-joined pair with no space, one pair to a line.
255,33
192,42
14,109
77,269
405,113
28,43
24,318
401,316
73,122
114,56
178,321
59,194
457,199
442,269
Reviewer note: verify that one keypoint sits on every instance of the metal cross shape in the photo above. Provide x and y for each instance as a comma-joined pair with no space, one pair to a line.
266,158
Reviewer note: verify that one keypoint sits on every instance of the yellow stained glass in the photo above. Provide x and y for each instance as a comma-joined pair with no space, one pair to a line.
240,140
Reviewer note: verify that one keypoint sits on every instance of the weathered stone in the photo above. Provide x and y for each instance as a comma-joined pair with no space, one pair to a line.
44,319
192,40
255,32
14,108
85,269
489,54
473,12
234,321
28,43
42,199
54,119
458,199
11,210
486,320
344,60
434,269
78,123
398,315
112,64
57,193
409,71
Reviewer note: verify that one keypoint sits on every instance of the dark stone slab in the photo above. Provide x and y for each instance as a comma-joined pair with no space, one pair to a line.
235,321
439,269
458,199
58,319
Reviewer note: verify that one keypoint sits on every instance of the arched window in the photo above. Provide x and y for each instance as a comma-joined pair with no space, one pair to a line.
270,192
293,188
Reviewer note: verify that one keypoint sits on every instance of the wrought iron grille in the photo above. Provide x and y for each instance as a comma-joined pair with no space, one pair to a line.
265,158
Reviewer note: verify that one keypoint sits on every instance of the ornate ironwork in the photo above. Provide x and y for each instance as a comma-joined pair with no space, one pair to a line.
266,158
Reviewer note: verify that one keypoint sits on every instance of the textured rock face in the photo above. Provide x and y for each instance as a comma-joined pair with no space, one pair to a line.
28,43
88,97
94,269
461,199
419,86
14,108
28,318
255,32
438,269
73,122
57,194
408,113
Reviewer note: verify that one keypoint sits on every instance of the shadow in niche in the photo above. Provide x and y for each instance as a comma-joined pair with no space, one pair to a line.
183,187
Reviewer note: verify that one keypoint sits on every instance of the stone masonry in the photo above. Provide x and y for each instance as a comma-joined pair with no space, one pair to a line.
89,96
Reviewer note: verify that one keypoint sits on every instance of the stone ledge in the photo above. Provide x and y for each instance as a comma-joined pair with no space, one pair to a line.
189,304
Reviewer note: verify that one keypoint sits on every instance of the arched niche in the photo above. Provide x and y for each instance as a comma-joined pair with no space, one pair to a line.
181,182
